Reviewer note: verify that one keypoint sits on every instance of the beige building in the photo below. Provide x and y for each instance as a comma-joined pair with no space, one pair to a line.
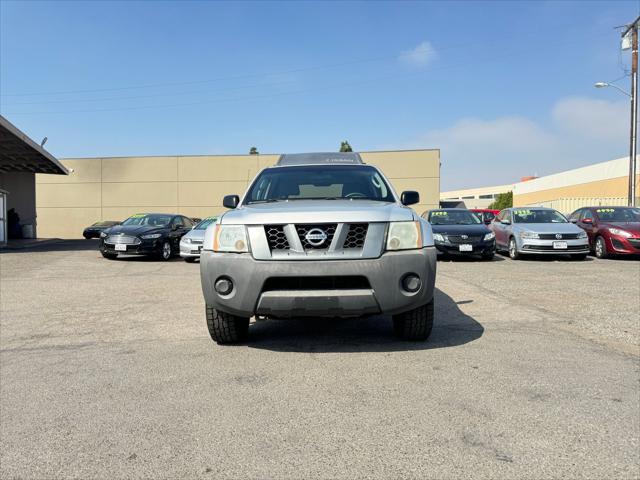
480,197
115,188
603,183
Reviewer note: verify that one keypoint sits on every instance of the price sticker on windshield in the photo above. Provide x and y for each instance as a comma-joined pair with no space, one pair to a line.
605,210
439,214
522,212
138,215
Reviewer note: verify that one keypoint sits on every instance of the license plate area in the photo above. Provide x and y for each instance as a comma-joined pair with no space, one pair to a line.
559,245
121,247
465,248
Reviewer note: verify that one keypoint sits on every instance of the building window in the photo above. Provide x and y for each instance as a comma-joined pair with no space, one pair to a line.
469,197
487,196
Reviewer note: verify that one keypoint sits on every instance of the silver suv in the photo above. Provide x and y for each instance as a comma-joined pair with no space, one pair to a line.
320,235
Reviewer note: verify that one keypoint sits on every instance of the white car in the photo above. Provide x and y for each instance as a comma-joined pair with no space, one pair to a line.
191,243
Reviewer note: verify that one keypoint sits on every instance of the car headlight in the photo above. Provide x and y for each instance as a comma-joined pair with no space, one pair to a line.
622,233
185,240
438,237
526,234
151,236
404,235
103,235
489,236
230,238
582,234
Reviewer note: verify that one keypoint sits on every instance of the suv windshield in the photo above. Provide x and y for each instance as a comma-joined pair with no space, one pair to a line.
353,182
537,216
618,214
205,223
453,217
153,220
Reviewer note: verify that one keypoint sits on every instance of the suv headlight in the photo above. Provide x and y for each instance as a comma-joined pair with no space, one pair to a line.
404,235
230,238
438,237
622,233
526,234
489,236
151,236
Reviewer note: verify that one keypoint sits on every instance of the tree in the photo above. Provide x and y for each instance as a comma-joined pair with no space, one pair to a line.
502,201
345,147
254,151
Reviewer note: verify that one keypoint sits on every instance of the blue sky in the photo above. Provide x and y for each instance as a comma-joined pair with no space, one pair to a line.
504,89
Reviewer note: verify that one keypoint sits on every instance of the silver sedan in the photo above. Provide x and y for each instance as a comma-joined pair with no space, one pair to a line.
538,230
191,243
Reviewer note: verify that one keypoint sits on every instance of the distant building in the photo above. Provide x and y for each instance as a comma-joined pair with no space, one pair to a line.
475,197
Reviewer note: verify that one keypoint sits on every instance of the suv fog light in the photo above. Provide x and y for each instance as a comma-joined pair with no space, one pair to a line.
223,286
411,283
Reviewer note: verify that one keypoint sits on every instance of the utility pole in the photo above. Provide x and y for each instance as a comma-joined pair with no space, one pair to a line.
633,28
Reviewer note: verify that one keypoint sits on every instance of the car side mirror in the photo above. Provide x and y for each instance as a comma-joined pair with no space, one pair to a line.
587,220
230,201
409,197
573,220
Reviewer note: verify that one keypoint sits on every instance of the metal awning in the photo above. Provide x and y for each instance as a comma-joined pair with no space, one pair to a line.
18,153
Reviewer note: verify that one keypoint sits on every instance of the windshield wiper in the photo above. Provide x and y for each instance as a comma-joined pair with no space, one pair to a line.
268,200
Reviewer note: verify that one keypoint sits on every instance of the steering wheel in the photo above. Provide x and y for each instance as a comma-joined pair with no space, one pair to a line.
355,195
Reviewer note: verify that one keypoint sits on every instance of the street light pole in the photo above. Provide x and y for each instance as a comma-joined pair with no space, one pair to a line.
634,110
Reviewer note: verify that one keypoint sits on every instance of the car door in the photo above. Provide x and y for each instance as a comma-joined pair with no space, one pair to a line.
588,223
499,228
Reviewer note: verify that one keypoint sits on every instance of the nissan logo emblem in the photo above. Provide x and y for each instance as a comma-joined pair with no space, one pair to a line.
315,237
558,236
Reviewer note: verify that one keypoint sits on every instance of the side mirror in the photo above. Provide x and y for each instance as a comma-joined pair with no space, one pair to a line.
409,197
230,201
586,220
573,220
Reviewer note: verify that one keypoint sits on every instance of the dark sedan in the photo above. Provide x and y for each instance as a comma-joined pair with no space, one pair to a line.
94,230
152,234
458,231
611,230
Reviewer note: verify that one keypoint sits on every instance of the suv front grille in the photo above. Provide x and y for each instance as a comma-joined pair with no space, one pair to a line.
276,237
346,282
329,229
356,235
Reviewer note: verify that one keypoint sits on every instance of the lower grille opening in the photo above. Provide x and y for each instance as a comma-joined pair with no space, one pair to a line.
347,282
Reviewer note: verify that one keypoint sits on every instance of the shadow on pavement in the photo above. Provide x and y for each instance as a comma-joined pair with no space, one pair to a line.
53,246
374,334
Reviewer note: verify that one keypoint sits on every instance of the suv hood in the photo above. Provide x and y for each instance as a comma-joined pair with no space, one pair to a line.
318,211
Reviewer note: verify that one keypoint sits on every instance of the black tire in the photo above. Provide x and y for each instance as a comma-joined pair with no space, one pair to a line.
488,256
600,248
513,249
415,324
166,252
189,259
226,328
579,256
110,256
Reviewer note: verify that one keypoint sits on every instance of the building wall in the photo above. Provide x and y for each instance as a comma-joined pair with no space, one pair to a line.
22,194
472,196
115,188
578,187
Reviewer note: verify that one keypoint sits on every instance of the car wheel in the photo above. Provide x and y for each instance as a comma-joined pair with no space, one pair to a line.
189,259
415,324
165,251
513,249
579,256
601,248
110,256
226,328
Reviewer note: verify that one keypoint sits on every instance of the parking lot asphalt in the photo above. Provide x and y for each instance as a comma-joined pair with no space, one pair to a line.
107,371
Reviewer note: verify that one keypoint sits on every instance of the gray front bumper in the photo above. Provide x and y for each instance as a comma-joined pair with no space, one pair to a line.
384,275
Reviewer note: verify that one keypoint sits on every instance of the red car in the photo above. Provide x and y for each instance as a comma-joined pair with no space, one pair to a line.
611,230
485,214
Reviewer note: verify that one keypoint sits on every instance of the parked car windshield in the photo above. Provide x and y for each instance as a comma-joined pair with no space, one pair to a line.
618,214
353,182
453,217
205,223
153,220
526,215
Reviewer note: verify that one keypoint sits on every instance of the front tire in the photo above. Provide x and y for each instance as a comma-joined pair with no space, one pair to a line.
165,251
601,248
415,324
513,249
226,328
109,256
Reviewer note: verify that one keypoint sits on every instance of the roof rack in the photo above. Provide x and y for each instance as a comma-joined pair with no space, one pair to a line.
322,158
